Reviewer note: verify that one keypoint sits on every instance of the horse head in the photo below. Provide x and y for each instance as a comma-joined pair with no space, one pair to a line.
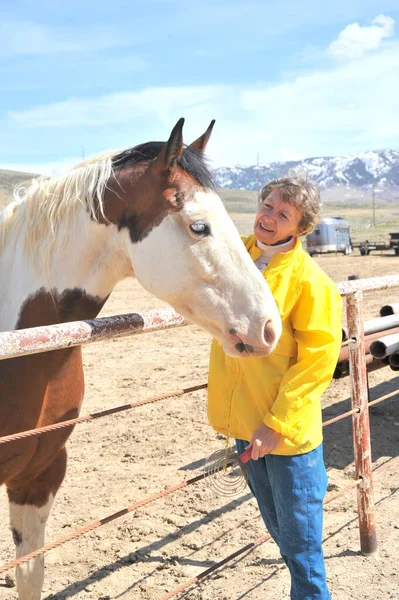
183,246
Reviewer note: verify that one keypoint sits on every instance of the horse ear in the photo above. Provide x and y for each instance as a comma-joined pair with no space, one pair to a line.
201,142
172,149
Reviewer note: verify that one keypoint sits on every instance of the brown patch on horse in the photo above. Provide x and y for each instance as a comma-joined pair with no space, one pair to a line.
141,203
35,491
46,308
43,389
153,180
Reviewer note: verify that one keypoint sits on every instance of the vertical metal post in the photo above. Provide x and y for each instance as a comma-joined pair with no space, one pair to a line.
373,188
361,424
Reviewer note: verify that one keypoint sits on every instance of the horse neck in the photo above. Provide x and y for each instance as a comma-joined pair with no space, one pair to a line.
93,257
87,260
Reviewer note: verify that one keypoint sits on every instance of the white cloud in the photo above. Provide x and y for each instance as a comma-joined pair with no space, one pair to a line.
121,107
354,41
348,108
28,37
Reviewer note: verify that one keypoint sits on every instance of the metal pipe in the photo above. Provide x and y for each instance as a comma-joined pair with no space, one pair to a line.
344,354
368,285
381,324
373,326
385,345
76,333
361,424
389,309
394,359
64,335
342,368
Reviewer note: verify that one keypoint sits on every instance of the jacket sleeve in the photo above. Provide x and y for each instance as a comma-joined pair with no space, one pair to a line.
316,321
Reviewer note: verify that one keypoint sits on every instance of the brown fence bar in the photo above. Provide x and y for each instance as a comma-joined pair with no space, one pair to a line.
98,415
361,424
368,285
76,333
63,335
353,293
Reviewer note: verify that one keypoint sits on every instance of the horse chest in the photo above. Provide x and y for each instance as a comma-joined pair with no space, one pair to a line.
36,391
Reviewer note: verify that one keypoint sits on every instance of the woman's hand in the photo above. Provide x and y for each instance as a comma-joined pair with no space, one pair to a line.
263,441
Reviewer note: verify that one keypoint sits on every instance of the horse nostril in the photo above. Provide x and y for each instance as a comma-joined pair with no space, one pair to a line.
269,333
240,347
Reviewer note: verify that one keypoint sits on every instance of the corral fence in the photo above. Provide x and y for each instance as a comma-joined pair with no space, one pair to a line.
55,337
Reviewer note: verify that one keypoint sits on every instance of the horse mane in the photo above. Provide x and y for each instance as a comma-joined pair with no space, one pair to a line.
45,203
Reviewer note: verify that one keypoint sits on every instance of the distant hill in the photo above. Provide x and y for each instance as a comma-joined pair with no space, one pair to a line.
345,181
354,203
360,171
8,181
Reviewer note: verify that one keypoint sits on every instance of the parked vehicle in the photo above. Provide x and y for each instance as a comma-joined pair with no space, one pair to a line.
330,235
393,244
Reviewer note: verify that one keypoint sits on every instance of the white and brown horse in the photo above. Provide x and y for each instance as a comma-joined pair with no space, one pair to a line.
149,212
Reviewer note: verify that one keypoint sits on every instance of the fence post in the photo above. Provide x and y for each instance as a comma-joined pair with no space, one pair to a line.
361,424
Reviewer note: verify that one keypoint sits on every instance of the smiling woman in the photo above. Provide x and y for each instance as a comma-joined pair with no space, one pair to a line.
272,404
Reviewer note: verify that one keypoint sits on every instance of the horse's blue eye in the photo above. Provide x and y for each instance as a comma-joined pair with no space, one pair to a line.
200,228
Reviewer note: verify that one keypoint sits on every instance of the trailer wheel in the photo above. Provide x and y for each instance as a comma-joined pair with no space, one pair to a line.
362,251
397,251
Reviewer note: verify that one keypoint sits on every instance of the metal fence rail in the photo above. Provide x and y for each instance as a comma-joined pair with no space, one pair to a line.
64,335
353,293
77,333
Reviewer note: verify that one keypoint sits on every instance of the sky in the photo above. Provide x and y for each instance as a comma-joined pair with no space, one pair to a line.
284,80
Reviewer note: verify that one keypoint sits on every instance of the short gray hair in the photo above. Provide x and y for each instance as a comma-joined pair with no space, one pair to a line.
300,191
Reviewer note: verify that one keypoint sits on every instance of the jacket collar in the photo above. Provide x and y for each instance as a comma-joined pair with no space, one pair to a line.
279,260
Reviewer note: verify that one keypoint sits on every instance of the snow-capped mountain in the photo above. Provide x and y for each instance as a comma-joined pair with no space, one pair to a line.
379,167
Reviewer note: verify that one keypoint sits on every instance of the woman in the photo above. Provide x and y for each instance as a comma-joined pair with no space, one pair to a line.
272,404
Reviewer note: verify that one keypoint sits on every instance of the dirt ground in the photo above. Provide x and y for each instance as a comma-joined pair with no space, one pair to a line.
117,461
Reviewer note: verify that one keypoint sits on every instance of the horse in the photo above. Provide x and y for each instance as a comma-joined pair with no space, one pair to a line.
150,212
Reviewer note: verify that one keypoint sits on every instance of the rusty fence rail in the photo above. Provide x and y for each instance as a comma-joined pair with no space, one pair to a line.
64,335
353,291
175,488
77,333
55,337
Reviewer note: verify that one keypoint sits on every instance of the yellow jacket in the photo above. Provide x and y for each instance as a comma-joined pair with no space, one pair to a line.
282,390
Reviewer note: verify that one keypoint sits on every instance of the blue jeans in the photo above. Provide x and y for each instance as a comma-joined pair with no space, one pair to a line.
290,491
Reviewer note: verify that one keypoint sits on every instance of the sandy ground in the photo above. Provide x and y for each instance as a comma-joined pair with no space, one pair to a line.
117,461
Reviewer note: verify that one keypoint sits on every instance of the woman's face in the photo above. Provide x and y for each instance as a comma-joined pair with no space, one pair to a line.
276,221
